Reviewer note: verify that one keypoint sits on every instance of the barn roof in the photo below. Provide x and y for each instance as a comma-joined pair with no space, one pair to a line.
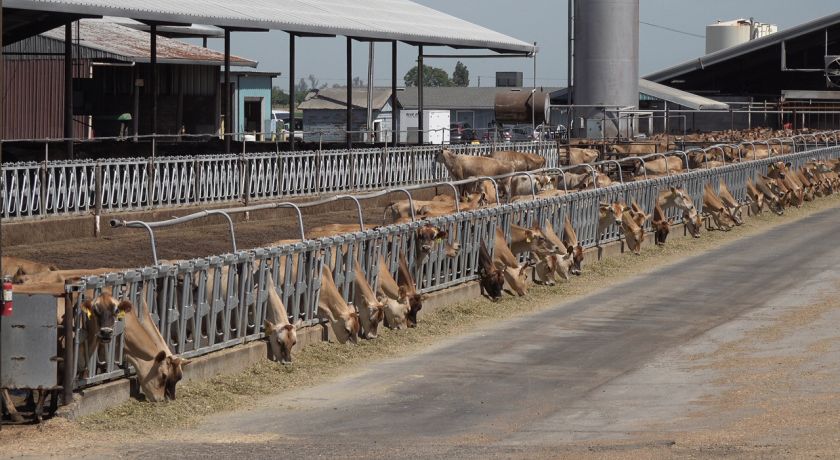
401,20
105,40
336,99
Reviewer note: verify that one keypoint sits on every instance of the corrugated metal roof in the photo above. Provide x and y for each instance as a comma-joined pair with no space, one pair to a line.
745,48
113,41
372,19
453,97
683,98
336,99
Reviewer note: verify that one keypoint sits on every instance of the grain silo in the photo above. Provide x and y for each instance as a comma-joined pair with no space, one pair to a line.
606,59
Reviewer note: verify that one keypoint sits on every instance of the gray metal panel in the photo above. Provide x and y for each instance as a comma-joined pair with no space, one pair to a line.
29,343
683,98
379,19
746,48
607,52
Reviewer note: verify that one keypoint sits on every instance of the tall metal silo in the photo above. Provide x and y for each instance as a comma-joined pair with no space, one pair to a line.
606,58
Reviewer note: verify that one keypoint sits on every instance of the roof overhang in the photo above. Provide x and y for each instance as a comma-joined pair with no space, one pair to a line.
393,20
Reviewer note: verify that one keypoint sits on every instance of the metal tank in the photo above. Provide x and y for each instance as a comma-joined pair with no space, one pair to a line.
606,59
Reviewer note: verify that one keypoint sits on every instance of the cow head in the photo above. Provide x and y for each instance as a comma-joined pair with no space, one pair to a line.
370,316
347,327
676,198
661,229
778,169
611,211
693,223
282,339
166,372
493,284
537,242
428,236
396,310
517,279
102,313
577,259
415,304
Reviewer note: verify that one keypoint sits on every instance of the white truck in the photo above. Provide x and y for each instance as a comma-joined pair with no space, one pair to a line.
435,125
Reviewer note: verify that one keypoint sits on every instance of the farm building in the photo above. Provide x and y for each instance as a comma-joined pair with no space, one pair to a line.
324,111
111,69
794,70
252,102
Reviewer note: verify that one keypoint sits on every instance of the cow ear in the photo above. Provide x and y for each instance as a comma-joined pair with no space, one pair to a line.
402,292
269,326
125,306
442,234
673,190
87,308
160,357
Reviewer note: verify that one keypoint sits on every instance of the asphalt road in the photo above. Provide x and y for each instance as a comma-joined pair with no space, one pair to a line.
516,390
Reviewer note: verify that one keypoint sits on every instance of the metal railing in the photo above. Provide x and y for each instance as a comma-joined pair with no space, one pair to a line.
196,316
60,188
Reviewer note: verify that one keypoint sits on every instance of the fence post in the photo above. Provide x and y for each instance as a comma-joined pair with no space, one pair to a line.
43,172
150,185
98,197
281,168
383,162
196,181
245,165
69,349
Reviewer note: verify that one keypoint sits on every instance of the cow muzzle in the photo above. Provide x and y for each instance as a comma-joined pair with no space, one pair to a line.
105,334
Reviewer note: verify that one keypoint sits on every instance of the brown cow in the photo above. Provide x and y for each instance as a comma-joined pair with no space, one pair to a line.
18,268
158,370
465,166
332,307
516,275
733,207
714,207
661,226
521,161
281,334
371,309
492,278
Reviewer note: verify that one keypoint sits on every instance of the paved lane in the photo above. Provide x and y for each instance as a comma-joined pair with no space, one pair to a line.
513,390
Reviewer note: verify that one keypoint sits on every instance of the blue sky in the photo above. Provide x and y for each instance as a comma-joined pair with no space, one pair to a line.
543,21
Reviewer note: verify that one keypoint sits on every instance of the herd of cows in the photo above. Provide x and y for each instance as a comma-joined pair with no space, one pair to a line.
540,254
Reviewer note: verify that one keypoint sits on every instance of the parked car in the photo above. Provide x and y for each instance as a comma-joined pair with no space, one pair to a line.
523,133
461,133
497,135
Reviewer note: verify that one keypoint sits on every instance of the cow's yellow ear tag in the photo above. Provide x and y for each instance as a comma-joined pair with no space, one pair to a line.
120,315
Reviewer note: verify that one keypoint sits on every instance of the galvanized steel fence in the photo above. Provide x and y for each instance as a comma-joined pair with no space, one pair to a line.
60,188
207,304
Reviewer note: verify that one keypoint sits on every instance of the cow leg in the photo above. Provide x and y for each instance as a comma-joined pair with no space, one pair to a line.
10,407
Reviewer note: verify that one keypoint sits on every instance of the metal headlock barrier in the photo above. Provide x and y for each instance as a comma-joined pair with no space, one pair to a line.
211,303
60,188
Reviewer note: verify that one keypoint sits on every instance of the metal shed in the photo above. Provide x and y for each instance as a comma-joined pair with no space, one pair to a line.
111,61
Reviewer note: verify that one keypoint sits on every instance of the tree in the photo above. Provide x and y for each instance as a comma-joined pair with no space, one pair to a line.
461,75
358,83
279,98
314,83
432,76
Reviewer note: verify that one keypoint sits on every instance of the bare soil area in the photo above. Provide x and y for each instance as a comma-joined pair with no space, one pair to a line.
132,248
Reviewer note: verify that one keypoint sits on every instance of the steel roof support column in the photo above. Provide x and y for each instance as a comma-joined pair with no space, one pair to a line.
226,99
395,113
153,77
292,93
420,84
68,89
349,93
